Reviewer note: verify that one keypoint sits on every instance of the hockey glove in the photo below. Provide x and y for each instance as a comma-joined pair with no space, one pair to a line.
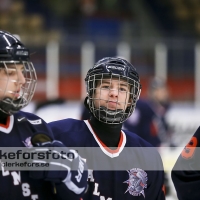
64,166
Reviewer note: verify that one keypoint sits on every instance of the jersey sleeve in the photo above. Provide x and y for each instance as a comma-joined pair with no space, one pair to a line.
186,171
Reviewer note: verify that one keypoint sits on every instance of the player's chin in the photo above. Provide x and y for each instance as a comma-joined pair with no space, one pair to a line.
13,96
8,95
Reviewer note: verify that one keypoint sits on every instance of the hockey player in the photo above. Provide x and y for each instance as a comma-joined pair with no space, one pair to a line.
19,129
186,171
121,164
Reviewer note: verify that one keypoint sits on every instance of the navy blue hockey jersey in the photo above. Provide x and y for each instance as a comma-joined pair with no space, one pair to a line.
186,171
16,185
129,172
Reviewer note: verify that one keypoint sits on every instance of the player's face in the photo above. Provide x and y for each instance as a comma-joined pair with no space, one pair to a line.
161,94
112,94
11,81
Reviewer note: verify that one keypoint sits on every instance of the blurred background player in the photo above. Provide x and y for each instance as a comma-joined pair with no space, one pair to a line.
113,88
148,120
20,129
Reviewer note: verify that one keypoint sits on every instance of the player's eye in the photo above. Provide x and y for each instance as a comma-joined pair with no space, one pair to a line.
10,72
123,89
105,86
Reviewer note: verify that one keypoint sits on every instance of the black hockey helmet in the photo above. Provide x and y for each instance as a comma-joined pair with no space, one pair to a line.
12,49
112,68
12,53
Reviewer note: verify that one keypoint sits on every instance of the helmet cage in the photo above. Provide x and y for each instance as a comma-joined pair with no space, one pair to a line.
10,105
104,114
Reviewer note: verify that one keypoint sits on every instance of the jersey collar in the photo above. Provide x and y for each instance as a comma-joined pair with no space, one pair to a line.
6,128
109,152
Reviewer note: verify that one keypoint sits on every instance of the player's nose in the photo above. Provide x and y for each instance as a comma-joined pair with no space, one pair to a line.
113,92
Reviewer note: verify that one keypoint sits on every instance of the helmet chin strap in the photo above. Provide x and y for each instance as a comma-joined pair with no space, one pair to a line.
7,105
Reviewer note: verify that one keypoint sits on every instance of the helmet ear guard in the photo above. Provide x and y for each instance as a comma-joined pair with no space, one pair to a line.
113,68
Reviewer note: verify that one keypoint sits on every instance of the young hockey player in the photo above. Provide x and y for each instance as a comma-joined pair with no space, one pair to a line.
121,164
20,129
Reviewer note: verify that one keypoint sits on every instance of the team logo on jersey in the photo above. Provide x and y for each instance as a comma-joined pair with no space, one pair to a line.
137,182
27,142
